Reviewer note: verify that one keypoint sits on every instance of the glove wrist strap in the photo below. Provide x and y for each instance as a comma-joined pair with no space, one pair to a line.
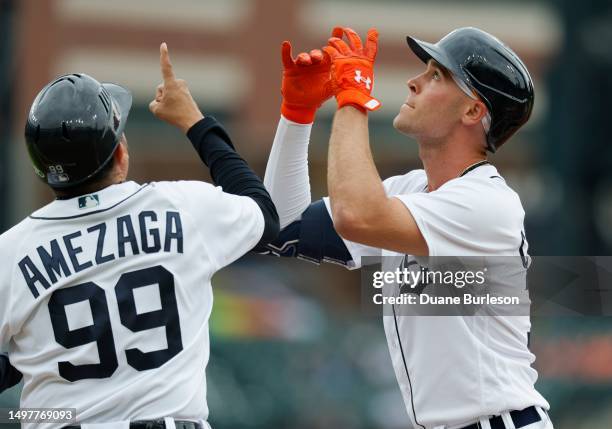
299,114
357,98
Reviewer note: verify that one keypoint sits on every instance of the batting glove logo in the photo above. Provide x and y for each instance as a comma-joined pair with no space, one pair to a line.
359,79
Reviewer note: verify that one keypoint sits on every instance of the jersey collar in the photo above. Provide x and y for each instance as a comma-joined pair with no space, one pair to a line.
89,204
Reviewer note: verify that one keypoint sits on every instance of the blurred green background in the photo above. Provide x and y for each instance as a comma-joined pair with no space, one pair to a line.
289,345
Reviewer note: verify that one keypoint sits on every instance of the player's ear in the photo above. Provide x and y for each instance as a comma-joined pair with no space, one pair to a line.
122,150
121,155
124,141
474,111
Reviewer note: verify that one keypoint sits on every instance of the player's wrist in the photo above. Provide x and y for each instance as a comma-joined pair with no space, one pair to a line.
354,106
358,99
186,124
298,114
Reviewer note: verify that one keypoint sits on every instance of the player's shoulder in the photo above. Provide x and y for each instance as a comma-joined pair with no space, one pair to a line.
184,188
412,181
486,191
485,180
11,238
182,185
195,195
16,230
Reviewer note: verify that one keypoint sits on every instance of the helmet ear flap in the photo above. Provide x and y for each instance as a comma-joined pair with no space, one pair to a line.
73,128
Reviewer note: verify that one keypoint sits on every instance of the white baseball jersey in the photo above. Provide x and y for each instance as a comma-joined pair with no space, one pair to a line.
105,298
452,370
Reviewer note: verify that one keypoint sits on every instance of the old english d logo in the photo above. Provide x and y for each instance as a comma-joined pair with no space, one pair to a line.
89,201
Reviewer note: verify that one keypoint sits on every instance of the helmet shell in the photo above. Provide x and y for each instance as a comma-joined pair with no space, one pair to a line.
73,128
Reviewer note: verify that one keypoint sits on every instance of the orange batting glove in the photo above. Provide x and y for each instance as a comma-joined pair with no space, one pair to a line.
352,71
306,84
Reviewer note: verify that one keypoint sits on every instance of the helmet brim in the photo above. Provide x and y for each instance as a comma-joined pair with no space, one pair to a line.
123,99
428,51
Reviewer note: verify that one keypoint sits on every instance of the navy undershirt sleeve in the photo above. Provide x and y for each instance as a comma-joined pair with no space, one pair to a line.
231,172
312,238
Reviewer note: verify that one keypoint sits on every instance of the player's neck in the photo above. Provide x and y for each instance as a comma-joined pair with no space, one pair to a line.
87,189
444,162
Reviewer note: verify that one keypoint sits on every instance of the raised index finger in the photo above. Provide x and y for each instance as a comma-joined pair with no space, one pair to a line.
164,62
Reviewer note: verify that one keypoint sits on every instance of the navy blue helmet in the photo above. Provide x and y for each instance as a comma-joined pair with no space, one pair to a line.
73,128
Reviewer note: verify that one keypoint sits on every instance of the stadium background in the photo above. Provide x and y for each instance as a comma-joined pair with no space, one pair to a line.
290,348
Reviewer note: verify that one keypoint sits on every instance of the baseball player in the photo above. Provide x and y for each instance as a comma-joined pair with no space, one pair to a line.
105,296
474,93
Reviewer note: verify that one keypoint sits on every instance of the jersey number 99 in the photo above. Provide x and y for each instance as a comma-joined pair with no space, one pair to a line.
101,331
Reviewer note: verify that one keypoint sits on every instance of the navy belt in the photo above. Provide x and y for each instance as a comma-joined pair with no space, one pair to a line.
520,418
154,424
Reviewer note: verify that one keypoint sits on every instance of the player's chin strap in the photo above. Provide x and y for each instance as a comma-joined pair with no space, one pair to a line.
486,119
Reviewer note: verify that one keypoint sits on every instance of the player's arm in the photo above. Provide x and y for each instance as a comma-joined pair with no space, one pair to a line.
9,376
231,172
312,238
173,103
361,209
307,230
305,86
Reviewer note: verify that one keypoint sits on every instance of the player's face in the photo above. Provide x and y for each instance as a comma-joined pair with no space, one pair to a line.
434,106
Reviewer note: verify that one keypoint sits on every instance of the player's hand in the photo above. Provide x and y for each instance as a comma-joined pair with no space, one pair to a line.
173,102
306,83
352,71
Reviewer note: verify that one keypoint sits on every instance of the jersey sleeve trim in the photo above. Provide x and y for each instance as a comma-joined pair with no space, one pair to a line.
261,223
